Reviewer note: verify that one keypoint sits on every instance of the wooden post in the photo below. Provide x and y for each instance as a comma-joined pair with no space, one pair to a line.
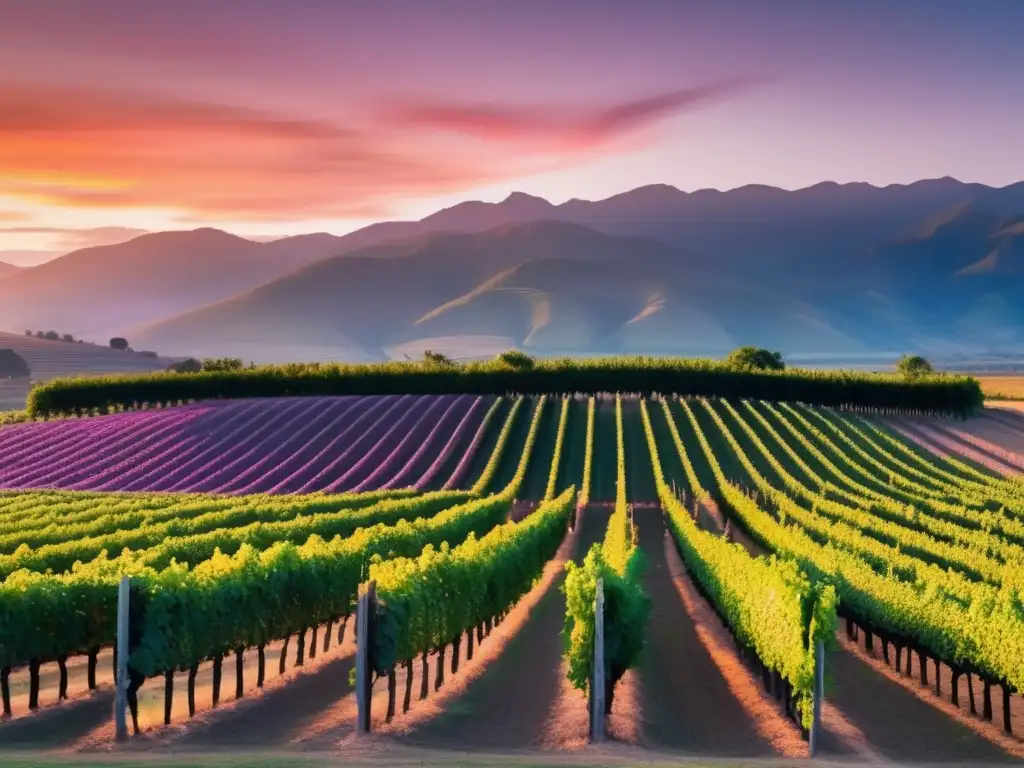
121,689
364,688
597,683
819,694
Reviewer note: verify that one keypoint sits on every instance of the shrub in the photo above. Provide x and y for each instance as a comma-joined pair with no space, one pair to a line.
638,375
146,353
436,359
118,343
13,365
222,364
186,366
914,367
520,361
68,338
752,358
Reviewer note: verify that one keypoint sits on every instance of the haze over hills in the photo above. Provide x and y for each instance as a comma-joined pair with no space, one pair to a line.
105,290
7,269
833,270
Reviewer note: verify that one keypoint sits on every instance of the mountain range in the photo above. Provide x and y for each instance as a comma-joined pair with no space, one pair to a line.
833,271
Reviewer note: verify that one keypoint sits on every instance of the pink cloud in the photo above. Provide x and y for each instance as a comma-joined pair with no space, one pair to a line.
71,238
563,129
117,149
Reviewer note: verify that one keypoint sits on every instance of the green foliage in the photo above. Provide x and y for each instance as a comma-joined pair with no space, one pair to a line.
752,358
641,375
119,343
619,564
968,624
428,601
225,601
433,359
556,459
768,604
914,367
14,417
191,365
222,364
13,365
588,457
191,532
516,360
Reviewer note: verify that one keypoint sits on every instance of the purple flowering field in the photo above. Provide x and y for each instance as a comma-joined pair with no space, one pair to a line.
299,445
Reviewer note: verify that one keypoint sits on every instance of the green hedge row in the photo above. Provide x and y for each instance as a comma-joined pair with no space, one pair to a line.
642,375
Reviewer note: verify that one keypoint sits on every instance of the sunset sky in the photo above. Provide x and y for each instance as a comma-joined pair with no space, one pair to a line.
275,117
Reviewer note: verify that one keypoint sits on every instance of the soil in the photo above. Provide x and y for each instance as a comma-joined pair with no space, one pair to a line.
950,446
604,470
508,705
1004,440
686,703
574,446
640,484
905,721
538,469
481,447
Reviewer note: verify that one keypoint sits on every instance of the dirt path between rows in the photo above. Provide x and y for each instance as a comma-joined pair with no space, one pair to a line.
949,446
686,703
896,721
970,441
508,706
59,725
872,712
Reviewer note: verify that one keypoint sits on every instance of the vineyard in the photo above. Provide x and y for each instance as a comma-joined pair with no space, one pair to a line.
746,550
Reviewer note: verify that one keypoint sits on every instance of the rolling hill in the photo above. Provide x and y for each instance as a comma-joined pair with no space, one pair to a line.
6,270
49,359
546,286
834,270
103,291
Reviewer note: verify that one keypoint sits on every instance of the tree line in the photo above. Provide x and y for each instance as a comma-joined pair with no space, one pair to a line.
520,374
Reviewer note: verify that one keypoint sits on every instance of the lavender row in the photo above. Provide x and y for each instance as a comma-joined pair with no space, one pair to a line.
293,445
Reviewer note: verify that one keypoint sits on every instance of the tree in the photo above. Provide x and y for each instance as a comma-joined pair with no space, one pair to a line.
13,365
223,364
437,359
520,361
191,365
28,333
51,336
118,343
69,338
754,358
914,367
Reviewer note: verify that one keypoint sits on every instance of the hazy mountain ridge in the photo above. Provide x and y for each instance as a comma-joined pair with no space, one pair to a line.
843,269
8,269
108,289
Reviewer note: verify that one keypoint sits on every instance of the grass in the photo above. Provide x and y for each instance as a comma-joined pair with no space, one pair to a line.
1008,386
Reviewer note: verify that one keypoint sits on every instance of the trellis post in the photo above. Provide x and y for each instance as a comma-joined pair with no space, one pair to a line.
364,687
597,683
121,685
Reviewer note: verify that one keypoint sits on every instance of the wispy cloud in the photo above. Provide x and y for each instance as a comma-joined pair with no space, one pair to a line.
119,149
563,129
70,238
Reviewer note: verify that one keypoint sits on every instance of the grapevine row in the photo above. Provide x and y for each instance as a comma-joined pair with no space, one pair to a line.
769,605
986,638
